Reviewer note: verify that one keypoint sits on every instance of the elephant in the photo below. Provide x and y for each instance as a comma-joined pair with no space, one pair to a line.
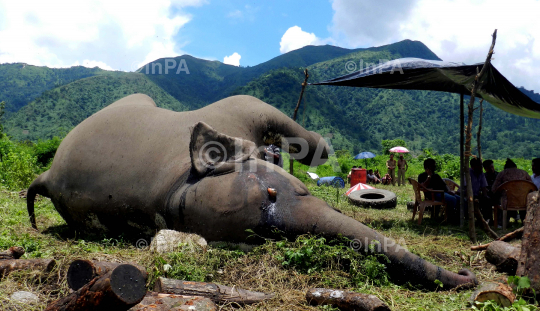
135,168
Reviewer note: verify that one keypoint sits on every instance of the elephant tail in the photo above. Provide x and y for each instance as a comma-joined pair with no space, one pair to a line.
37,187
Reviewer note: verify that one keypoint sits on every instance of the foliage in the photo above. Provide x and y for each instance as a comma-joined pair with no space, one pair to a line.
17,170
311,254
2,107
44,151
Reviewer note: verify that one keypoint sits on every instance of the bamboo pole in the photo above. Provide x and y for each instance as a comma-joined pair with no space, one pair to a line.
476,83
479,147
291,160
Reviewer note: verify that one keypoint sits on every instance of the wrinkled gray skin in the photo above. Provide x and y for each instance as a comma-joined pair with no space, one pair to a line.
135,168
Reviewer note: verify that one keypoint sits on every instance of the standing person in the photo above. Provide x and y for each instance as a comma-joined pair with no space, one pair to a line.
536,172
402,168
391,166
273,155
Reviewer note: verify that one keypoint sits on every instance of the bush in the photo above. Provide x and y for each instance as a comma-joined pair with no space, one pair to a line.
18,170
44,151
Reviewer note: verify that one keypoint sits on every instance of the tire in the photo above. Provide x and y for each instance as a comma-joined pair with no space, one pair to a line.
373,198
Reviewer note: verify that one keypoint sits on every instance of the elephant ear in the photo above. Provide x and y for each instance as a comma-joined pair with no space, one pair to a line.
216,153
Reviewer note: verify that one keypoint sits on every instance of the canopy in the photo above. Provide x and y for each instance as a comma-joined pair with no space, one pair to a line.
421,74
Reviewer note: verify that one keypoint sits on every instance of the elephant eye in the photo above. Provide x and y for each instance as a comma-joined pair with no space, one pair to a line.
272,193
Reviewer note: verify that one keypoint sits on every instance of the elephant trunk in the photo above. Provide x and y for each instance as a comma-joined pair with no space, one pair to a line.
403,266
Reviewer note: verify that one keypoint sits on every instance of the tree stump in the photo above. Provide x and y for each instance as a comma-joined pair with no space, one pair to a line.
345,300
170,302
217,293
9,265
500,293
14,252
119,289
82,271
529,259
516,234
504,256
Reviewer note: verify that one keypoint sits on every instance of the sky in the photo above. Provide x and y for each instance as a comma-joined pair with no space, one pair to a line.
124,35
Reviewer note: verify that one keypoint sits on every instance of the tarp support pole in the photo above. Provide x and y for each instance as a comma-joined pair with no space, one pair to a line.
461,158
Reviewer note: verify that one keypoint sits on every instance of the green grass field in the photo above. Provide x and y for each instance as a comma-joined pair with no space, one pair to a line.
262,269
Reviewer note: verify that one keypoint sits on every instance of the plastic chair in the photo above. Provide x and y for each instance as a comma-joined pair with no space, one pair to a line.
420,205
452,186
516,198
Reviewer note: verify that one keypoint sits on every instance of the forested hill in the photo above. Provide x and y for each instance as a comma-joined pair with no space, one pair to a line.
353,118
22,83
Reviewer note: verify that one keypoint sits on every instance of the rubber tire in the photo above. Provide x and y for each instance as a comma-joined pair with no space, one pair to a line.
384,198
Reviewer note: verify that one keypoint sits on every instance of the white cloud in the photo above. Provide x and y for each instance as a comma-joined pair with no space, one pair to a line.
112,34
235,14
233,59
455,30
295,38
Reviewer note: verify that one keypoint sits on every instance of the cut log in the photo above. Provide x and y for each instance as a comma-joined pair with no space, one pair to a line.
530,244
218,293
500,293
504,256
345,300
82,271
516,234
14,252
170,302
119,289
9,265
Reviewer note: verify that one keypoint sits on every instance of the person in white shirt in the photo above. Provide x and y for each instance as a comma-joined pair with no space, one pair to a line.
536,172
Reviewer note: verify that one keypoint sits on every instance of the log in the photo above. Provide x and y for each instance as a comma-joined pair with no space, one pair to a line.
530,244
504,256
14,252
119,289
9,265
345,300
217,293
170,302
516,234
82,271
500,293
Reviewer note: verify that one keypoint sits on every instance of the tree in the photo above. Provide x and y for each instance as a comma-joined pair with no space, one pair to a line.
391,143
2,107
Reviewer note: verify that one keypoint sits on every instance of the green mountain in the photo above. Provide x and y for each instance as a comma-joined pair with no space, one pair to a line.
57,111
22,83
353,118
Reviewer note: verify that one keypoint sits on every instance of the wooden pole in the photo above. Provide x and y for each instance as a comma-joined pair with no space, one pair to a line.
504,256
476,84
479,147
291,160
510,236
218,293
345,300
461,159
9,265
14,252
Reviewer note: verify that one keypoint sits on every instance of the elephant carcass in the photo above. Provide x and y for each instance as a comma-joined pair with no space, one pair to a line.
136,168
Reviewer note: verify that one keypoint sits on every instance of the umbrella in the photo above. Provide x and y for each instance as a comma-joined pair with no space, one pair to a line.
356,187
365,155
399,149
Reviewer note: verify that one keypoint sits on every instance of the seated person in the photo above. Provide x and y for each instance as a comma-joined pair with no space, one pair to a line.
387,179
378,175
479,188
536,172
431,180
371,178
510,172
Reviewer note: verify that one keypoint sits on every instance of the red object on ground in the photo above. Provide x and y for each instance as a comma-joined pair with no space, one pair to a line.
358,175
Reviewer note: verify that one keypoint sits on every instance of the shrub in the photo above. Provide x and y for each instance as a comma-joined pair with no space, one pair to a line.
18,170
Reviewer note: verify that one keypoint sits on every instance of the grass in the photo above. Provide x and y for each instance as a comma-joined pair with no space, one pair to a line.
262,269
